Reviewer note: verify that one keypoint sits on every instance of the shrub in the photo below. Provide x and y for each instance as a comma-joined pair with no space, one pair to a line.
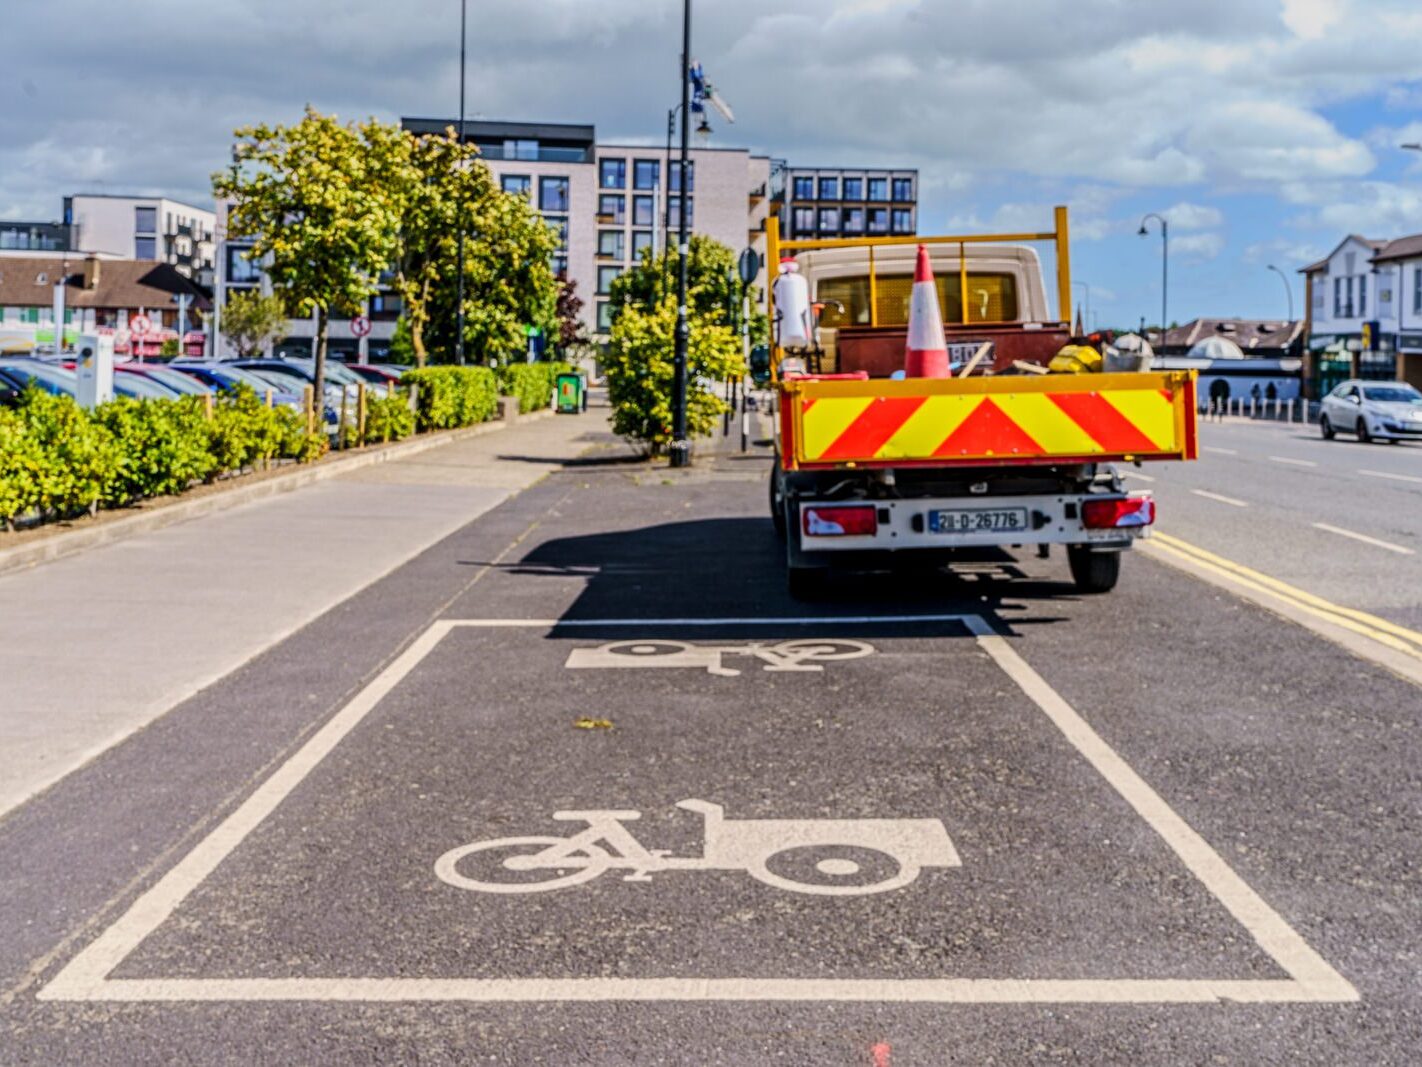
164,446
71,459
452,396
388,418
244,432
531,383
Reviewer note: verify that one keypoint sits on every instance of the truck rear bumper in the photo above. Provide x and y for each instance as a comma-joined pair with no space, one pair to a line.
939,523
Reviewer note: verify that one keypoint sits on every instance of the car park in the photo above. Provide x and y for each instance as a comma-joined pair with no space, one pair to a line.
1383,411
166,376
217,375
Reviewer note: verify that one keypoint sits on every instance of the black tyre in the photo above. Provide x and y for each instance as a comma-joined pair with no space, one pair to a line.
1326,428
1093,572
777,502
806,583
1363,435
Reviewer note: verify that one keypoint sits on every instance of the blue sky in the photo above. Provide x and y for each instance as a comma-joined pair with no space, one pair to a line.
1265,129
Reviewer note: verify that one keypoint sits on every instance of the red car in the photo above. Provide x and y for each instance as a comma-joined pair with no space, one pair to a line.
374,374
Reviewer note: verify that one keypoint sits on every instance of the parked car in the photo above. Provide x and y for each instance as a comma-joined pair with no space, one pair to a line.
217,375
375,373
165,375
1384,411
61,381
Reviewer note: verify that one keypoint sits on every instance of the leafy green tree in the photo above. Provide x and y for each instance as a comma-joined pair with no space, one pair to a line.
712,285
321,201
251,321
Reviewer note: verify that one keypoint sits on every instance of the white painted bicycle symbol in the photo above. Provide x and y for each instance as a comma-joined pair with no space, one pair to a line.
830,857
799,655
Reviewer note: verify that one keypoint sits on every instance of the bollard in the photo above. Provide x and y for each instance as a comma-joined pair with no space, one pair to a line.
207,405
360,414
745,429
341,425
270,398
308,408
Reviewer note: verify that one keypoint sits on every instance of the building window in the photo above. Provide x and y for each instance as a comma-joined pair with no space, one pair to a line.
675,175
641,240
674,203
517,184
829,220
520,149
145,248
1417,290
559,265
605,277
604,316
145,220
385,306
610,209
829,188
878,188
903,188
611,244
854,220
903,220
559,225
612,173
644,211
878,220
553,194
646,173
804,187
854,188
240,269
804,220
1362,296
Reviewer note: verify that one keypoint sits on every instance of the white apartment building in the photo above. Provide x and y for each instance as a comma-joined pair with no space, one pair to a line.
152,228
1364,302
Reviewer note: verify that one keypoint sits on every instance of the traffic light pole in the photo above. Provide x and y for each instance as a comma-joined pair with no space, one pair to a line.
680,446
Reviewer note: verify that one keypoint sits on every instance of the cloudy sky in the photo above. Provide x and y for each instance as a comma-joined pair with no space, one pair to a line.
1264,129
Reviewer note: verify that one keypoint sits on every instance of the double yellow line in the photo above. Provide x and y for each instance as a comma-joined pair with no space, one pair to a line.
1390,634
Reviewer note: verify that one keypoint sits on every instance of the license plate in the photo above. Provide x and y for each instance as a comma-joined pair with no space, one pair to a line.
978,520
962,351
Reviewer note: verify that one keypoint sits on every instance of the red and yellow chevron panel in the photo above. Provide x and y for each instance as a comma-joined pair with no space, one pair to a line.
955,422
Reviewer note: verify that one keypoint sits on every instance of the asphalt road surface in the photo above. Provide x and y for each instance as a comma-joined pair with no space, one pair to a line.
957,818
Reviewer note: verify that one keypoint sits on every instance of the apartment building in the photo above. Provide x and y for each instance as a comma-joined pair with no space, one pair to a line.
150,228
849,202
610,201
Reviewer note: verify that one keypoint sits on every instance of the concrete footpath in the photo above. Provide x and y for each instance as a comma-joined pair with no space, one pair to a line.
99,644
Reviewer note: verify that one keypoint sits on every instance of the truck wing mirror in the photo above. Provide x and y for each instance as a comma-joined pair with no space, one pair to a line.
760,364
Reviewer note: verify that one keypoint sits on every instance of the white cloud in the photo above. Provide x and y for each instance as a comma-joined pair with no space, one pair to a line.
1312,19
1198,247
1373,208
1187,216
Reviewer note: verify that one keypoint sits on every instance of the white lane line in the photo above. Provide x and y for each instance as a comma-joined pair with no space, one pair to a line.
1221,451
1222,499
1364,538
1393,477
85,977
1294,462
1138,476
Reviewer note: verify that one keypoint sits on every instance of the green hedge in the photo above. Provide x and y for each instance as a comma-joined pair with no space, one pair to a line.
452,396
532,383
58,460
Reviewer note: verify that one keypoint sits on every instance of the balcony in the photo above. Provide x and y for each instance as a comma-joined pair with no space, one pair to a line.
543,154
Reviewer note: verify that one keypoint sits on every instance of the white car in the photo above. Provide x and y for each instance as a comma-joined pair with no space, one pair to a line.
1389,411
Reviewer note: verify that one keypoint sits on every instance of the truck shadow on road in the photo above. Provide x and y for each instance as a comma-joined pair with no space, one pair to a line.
733,568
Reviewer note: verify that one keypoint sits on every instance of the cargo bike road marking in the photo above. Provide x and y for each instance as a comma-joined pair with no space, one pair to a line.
1310,977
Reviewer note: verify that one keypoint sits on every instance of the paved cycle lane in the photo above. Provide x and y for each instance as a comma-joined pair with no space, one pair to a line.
606,807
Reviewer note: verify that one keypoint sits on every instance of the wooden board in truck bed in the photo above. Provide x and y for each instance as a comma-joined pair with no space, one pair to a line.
1005,420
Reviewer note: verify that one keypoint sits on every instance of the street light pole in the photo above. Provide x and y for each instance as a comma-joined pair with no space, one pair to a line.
1289,289
680,446
1164,266
459,254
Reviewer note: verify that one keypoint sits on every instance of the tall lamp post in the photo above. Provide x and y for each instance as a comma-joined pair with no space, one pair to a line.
459,254
1289,289
1164,265
680,446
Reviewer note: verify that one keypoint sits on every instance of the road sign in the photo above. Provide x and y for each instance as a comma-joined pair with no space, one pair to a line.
360,326
140,324
749,266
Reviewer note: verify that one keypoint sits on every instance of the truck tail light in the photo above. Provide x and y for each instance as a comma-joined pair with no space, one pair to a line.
1118,512
855,521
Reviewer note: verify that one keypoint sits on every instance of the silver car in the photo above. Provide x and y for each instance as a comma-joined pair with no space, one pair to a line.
1385,411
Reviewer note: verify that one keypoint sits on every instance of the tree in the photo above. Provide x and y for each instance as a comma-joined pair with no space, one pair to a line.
321,203
712,284
572,333
251,321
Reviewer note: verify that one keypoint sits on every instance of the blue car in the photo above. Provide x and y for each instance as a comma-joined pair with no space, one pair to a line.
225,376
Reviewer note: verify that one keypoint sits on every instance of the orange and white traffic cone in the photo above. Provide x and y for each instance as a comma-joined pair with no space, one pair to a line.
927,355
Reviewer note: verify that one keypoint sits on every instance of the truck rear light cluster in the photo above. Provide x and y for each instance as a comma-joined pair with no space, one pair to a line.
851,521
1117,512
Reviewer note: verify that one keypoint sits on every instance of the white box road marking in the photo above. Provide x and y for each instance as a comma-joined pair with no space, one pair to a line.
1294,462
85,977
1392,477
1399,549
1231,501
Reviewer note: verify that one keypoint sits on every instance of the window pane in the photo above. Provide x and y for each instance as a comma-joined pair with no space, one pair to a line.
829,219
610,244
804,220
145,220
604,315
903,220
517,184
605,277
646,173
878,188
553,194
674,203
675,174
610,208
804,188
613,173
560,266
145,248
240,269
854,188
643,211
559,225
878,220
854,220
829,188
641,239
903,188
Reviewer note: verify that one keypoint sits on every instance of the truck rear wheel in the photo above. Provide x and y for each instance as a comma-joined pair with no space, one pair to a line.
777,501
1093,572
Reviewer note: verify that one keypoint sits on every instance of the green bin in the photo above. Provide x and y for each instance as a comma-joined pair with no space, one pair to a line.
570,394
